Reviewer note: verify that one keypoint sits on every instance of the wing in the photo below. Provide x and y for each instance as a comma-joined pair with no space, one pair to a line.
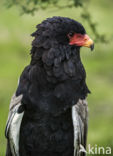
80,123
13,126
16,113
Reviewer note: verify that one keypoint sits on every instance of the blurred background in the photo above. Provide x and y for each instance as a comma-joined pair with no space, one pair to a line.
15,45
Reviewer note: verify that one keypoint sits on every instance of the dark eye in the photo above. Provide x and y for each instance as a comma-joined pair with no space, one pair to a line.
71,34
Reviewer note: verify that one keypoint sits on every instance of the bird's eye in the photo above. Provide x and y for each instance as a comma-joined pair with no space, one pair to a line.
71,34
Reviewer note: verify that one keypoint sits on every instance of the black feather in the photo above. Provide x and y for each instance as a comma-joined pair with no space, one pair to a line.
52,83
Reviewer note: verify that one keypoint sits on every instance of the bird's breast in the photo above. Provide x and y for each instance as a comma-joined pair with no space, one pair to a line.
49,133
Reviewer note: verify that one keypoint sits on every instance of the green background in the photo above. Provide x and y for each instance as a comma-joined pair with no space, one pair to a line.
15,45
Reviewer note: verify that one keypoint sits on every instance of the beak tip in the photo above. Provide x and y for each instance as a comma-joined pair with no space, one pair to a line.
92,47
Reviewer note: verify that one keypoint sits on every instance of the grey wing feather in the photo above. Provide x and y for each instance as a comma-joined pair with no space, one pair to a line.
80,123
12,110
13,124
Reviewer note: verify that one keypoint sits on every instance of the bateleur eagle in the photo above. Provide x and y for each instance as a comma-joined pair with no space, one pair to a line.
48,112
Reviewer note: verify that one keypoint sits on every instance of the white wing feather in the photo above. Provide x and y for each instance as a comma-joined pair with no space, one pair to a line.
12,130
80,124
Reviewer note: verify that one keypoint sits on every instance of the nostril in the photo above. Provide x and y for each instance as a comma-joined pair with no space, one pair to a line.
85,39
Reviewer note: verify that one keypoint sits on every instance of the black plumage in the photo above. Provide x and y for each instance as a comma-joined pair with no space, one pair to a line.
53,82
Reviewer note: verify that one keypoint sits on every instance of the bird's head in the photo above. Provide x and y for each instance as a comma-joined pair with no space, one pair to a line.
56,48
62,30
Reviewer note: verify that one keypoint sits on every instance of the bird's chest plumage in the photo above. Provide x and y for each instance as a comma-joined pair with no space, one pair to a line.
45,134
47,127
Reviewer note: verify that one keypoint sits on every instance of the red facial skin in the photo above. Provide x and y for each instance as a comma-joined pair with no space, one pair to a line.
80,40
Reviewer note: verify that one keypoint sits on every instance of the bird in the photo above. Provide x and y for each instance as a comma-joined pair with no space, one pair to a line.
48,113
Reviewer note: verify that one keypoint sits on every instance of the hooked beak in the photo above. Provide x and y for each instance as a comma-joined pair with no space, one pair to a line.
82,40
88,42
92,47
